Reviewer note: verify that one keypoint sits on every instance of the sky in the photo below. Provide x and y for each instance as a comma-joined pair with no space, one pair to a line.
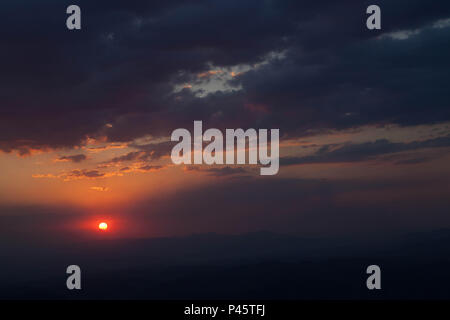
86,117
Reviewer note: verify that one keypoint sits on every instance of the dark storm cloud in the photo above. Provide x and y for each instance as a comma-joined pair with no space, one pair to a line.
60,86
354,152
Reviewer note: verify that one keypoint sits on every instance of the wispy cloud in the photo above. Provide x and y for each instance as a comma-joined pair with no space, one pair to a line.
75,158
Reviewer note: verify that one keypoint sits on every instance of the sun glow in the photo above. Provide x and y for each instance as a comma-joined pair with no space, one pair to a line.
103,226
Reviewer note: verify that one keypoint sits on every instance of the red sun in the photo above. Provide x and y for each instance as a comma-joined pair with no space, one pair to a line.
103,226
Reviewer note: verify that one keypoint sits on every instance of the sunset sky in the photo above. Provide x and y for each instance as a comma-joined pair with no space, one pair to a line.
86,117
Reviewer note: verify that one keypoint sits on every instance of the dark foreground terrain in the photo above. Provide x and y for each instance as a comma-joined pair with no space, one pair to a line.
251,266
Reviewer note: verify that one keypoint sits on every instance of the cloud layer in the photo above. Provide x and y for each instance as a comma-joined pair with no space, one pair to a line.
306,67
